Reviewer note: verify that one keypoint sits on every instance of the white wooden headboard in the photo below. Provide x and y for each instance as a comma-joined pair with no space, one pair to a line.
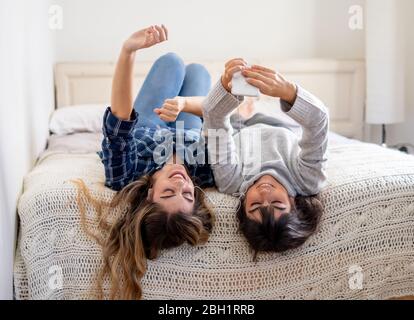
340,84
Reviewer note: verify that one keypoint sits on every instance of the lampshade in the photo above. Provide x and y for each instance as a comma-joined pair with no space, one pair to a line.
385,63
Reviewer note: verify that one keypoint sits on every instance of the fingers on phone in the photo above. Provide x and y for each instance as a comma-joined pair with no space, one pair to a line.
234,70
236,62
266,78
258,84
260,68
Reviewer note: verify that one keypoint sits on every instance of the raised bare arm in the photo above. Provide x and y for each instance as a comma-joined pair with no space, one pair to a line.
122,90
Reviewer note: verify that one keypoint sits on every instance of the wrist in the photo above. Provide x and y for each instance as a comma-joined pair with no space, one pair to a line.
290,93
183,104
225,84
127,52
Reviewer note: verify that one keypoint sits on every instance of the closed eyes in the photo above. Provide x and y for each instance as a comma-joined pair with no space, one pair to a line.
171,191
255,206
187,195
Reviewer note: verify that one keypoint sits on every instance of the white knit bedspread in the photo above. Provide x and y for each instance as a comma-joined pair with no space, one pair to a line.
363,250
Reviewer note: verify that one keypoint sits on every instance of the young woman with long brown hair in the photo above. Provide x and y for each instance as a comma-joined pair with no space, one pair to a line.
157,174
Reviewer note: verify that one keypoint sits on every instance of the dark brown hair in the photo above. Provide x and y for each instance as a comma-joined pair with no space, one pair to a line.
288,232
139,233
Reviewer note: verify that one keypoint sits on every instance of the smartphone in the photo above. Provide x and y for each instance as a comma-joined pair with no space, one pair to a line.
240,87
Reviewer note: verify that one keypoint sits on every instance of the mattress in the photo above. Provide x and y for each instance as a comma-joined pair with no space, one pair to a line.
364,248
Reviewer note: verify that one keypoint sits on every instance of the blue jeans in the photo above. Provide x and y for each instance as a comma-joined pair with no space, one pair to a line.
167,79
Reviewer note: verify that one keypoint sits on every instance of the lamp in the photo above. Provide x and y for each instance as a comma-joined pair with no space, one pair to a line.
385,103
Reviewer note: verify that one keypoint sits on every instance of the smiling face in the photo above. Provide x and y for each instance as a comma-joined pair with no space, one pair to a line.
267,192
173,189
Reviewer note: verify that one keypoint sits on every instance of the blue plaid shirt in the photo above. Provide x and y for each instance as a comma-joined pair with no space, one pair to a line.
129,152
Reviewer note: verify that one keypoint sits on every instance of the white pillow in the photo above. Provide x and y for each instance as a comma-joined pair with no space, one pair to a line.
79,118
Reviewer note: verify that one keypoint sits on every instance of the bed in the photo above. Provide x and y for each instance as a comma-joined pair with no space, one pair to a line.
364,248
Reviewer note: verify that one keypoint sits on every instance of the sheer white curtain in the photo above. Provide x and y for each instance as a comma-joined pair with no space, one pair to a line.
26,100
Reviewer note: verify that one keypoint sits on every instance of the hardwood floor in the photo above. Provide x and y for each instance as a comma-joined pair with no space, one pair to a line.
408,298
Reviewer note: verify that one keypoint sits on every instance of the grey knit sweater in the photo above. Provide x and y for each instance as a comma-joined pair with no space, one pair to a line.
240,159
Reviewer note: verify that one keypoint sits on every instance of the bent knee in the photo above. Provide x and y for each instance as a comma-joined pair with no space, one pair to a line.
170,59
196,68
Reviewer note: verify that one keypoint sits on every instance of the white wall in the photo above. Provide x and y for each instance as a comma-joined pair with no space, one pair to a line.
221,29
217,29
26,100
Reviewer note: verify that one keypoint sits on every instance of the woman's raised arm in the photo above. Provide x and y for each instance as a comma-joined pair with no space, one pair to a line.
122,90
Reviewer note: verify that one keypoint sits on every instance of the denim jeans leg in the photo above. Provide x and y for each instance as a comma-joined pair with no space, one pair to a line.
197,83
163,82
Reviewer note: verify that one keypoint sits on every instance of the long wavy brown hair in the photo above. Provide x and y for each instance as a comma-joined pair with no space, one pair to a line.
139,232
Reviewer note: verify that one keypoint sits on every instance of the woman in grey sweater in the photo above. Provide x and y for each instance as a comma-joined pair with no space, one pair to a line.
277,172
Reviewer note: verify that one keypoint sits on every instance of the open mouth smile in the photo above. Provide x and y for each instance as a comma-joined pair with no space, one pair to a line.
266,185
178,175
